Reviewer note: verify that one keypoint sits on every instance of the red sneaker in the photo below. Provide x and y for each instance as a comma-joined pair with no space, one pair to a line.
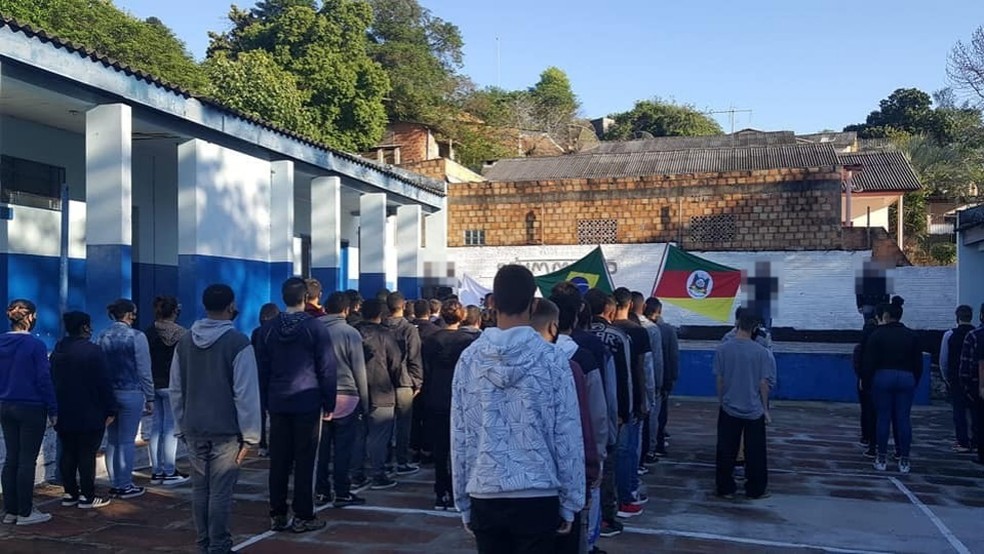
626,511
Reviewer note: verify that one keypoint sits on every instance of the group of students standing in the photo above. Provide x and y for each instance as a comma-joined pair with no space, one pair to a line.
91,392
961,363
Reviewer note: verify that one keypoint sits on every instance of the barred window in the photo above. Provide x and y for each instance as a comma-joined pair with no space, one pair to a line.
475,237
713,228
597,231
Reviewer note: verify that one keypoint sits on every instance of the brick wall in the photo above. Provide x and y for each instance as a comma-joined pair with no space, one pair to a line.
435,169
415,141
782,209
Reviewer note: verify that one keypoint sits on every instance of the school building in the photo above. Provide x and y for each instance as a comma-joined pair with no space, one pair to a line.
145,189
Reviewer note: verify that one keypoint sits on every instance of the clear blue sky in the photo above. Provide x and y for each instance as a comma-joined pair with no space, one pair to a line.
799,65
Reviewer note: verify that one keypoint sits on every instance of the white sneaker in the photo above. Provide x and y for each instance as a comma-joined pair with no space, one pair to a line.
35,517
9,519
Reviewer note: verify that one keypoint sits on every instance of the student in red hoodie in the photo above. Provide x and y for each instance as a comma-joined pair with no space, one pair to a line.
546,321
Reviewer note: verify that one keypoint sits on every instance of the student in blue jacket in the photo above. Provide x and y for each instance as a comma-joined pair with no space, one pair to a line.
27,401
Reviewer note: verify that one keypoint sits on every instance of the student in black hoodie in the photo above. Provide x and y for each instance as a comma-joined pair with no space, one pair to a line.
893,363
440,353
384,366
425,327
162,336
87,406
267,312
409,340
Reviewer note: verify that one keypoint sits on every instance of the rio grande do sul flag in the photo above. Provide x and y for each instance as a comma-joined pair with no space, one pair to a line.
698,285
587,273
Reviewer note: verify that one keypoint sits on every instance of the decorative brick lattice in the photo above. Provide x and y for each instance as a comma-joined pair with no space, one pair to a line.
713,228
597,231
475,237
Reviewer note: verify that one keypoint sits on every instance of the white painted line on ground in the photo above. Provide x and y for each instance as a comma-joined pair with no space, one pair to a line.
743,540
253,540
385,509
950,537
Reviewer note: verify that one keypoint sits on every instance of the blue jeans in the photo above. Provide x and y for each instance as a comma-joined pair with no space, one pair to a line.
626,462
120,437
335,448
213,477
163,443
893,393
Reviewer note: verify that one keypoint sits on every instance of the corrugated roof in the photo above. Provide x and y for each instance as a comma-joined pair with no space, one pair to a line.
410,178
882,171
744,138
638,164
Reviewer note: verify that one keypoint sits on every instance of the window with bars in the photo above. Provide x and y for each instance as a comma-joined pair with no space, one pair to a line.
475,237
597,231
713,228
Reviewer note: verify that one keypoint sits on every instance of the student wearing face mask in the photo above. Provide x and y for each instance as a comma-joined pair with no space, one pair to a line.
27,400
128,359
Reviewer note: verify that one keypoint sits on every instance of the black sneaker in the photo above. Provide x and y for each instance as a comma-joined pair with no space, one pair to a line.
359,483
426,458
382,483
651,458
443,503
406,469
279,523
349,500
69,500
87,503
322,499
870,453
611,529
660,452
307,525
156,478
130,492
113,491
175,479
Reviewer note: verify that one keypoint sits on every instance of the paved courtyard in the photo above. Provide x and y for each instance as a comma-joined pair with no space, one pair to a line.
826,498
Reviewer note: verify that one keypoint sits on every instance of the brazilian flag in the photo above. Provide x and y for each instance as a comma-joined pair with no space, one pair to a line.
587,273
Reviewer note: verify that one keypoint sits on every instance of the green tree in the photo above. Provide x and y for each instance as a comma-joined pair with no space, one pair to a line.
149,46
554,104
325,47
421,54
255,84
906,110
661,118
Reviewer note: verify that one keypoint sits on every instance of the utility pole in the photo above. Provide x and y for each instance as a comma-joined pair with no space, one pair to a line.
731,115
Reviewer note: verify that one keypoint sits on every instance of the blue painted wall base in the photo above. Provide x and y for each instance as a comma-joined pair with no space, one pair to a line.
250,281
800,376
108,277
152,280
330,279
371,283
279,272
409,286
36,279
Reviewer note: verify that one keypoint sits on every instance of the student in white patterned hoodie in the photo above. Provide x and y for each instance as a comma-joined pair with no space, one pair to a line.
517,448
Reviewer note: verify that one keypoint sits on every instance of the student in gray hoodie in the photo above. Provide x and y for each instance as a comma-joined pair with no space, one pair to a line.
215,398
340,433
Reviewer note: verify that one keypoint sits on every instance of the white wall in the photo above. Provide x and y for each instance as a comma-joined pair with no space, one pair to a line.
155,195
37,232
229,193
30,141
816,288
859,210
970,264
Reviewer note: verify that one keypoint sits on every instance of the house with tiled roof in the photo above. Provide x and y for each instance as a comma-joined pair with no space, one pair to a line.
116,184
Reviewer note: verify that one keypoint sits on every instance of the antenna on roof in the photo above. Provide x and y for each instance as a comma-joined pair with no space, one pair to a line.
731,115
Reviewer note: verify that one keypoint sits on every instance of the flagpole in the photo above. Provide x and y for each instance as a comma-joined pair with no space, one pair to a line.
662,266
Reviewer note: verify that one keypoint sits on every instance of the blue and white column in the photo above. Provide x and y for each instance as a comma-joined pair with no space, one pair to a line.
281,226
409,254
109,209
224,224
436,268
372,244
326,233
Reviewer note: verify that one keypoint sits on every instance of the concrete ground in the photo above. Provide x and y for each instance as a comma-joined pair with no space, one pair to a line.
826,498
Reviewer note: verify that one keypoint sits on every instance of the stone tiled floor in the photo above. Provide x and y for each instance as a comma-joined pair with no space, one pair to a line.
826,498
